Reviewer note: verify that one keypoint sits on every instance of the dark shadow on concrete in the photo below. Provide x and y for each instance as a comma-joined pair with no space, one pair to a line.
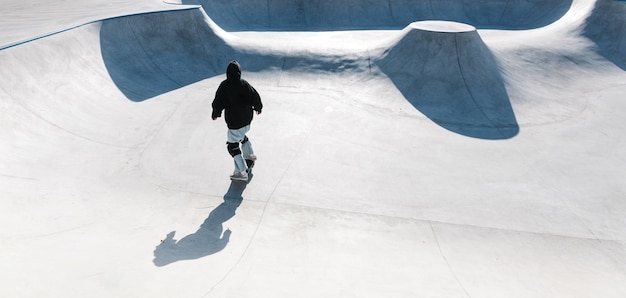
606,26
333,15
453,79
152,54
208,239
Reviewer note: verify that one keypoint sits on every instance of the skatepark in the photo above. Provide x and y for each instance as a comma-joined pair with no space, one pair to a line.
406,149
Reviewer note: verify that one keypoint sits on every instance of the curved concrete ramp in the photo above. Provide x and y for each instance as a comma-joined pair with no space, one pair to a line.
445,70
273,15
63,83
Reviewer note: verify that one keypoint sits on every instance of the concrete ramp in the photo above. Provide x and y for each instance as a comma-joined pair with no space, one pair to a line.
275,15
63,82
445,70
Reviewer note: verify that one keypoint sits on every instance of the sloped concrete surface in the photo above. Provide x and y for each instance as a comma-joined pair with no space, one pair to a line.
474,156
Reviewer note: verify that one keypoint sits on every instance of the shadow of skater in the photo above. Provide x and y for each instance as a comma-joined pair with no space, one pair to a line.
208,239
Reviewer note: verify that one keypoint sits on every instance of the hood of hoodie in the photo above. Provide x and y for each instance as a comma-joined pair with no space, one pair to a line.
233,72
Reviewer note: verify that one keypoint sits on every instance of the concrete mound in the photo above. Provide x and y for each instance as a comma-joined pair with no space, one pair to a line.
372,14
446,71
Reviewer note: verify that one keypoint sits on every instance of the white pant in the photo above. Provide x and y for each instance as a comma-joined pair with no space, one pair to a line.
237,136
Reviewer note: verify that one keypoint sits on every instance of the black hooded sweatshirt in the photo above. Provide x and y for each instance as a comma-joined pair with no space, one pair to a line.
237,97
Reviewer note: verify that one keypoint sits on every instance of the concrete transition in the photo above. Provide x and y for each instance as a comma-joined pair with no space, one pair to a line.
431,148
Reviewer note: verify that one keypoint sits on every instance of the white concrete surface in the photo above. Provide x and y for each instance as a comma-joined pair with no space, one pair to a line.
393,161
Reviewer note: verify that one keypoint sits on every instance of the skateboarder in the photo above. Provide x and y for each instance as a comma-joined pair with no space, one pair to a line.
239,100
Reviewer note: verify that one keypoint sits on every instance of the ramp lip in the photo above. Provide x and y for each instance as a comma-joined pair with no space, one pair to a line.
70,26
442,26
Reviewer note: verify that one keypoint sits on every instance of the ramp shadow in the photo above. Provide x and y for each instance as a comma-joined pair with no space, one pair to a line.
209,239
606,26
152,54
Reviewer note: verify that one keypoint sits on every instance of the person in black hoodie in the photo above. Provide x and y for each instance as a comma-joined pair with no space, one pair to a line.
239,100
